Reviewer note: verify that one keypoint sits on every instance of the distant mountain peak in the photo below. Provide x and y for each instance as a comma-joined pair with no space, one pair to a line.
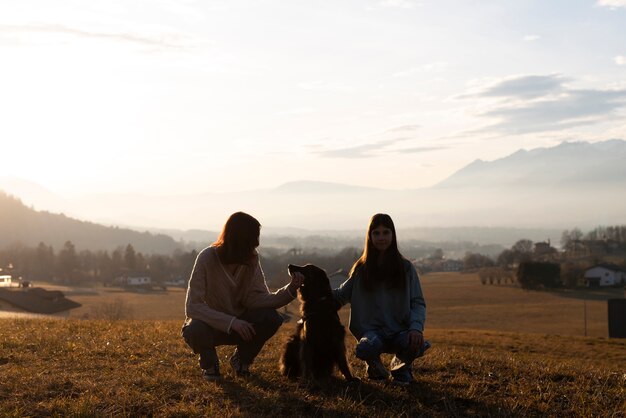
569,163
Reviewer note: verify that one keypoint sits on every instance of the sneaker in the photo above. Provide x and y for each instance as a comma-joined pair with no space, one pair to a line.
212,374
402,377
401,371
376,370
425,347
241,369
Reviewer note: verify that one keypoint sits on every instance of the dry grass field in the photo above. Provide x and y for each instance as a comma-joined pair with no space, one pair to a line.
458,300
143,368
497,351
455,301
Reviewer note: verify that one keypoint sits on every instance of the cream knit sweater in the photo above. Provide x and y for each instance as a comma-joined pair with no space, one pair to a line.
218,298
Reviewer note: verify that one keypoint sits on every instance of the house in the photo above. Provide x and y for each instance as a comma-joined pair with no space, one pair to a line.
36,300
138,281
6,280
544,251
452,265
135,281
605,274
176,282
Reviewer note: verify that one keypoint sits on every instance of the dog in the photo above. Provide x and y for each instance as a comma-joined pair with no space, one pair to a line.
317,345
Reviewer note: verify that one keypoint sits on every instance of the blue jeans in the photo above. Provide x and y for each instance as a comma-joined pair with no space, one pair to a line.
373,343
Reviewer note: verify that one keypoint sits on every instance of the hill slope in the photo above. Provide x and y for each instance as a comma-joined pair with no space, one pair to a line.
91,368
19,223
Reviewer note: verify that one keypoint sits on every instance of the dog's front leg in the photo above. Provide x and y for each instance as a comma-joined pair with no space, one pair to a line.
344,368
306,360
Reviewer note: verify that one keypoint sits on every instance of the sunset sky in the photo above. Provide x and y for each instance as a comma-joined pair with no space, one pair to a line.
181,96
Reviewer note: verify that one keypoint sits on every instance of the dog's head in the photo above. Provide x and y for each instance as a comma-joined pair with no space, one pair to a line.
316,285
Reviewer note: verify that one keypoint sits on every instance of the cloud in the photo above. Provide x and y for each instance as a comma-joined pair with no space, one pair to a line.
323,86
374,149
404,128
297,111
402,4
162,41
416,150
620,60
543,103
531,38
433,67
361,151
523,87
612,3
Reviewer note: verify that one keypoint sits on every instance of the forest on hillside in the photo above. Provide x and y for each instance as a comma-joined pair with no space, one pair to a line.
28,227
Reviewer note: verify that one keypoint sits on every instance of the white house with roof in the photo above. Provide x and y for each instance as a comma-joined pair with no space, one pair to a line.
605,275
6,280
133,281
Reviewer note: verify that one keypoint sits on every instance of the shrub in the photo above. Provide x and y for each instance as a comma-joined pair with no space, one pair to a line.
112,311
535,274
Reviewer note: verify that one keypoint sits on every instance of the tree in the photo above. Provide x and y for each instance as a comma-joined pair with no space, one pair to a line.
437,254
572,273
130,257
116,261
536,274
68,262
473,261
44,261
569,237
506,259
523,246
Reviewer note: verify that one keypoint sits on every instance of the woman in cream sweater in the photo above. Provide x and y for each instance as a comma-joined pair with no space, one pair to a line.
228,301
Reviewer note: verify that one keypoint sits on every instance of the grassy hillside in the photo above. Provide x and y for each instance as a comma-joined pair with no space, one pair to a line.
134,368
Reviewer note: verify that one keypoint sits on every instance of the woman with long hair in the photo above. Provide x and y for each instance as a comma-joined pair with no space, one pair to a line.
387,307
228,301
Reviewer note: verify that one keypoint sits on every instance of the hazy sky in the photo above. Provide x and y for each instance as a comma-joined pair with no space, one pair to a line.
182,96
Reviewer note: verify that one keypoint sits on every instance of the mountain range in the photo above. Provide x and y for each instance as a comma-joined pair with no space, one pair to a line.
574,184
572,165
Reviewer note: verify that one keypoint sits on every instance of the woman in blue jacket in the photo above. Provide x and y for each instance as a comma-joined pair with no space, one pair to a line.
388,310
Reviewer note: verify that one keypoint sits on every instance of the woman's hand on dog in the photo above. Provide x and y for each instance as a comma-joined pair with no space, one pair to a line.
297,279
416,340
244,328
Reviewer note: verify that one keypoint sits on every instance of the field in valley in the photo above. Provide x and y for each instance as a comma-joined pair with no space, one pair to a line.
454,300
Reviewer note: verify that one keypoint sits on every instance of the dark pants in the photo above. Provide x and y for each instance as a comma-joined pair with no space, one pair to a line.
374,343
203,339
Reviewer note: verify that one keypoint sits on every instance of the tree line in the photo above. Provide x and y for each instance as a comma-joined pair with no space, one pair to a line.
72,266
545,267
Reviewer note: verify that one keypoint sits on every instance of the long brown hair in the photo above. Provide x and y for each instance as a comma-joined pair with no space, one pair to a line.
238,239
391,271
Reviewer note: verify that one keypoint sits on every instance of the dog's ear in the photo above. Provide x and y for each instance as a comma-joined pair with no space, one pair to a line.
292,268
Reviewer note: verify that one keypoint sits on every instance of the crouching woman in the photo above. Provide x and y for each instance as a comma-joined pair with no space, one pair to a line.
228,301
387,311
